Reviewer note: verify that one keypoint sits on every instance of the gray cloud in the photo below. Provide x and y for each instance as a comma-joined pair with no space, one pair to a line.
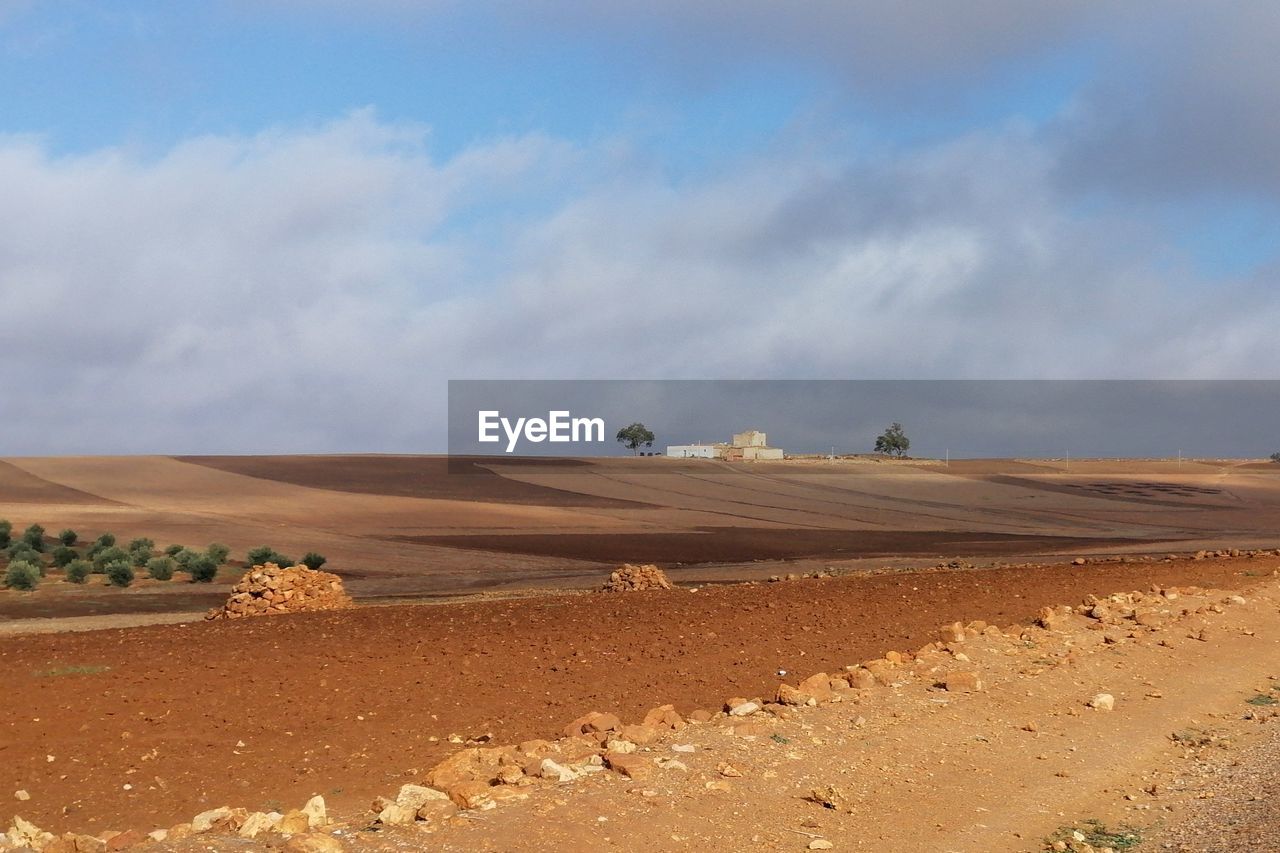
311,289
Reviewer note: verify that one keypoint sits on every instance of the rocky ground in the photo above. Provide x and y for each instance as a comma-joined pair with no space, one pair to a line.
1135,721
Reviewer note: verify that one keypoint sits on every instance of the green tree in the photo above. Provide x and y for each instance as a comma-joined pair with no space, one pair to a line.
67,537
219,552
174,550
313,561
6,532
62,556
108,555
1275,457
119,573
635,436
22,575
203,568
78,570
893,441
264,554
160,568
34,536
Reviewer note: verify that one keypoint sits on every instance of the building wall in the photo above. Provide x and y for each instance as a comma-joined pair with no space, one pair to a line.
762,453
693,451
750,438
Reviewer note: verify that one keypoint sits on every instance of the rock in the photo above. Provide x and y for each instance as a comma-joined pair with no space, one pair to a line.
953,633
632,578
1079,561
21,795
513,775
630,764
819,686
317,816
205,821
640,734
821,844
664,717
620,747
861,679
788,695
316,842
293,822
556,772
604,723
467,765
727,770
125,840
471,795
700,716
1047,618
744,708
964,681
829,796
1236,599
73,843
395,814
26,834
256,824
158,835
270,589
437,810
179,832
1103,702
416,796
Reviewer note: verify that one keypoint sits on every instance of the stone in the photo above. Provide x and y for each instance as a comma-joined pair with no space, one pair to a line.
633,578
316,842
727,770
1047,618
23,833
293,822
1103,702
1079,561
467,765
664,717
700,716
179,832
471,795
416,796
437,810
620,747
21,795
395,814
819,686
604,723
269,588
205,821
861,679
556,772
629,764
964,681
256,824
73,843
158,835
953,633
640,734
788,695
821,844
744,708
125,840
317,815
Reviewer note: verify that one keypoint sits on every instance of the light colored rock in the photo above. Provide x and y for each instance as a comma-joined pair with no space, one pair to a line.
293,822
317,815
1103,702
744,709
555,771
416,796
821,844
21,795
316,842
256,824
23,833
964,681
204,821
397,815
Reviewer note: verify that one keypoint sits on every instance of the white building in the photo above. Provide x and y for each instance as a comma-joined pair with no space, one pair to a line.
695,451
746,447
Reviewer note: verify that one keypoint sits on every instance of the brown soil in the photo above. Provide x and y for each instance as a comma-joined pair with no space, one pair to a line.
742,544
439,477
150,725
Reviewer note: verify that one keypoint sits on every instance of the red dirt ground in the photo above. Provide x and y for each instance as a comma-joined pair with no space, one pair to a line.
147,726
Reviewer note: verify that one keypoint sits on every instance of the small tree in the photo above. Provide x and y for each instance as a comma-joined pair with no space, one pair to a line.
78,570
160,568
219,552
893,441
1275,457
62,556
34,536
142,543
634,436
6,532
108,555
119,573
313,561
106,540
264,554
203,568
21,550
22,575
174,550
68,537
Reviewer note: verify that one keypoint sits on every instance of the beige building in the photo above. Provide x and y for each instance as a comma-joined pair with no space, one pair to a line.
746,446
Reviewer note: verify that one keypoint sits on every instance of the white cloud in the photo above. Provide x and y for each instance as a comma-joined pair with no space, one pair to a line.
311,289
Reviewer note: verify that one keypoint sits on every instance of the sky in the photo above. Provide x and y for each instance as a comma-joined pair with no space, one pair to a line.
282,226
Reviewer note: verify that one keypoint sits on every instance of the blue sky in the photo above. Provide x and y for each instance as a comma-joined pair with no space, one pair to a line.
335,207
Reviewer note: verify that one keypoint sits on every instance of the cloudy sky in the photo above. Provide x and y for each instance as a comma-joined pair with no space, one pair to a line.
282,225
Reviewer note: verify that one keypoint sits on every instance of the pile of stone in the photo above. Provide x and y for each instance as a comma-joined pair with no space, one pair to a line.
271,589
629,578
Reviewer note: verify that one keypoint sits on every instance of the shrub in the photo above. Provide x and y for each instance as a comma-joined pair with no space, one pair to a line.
264,554
108,555
6,532
184,557
312,560
142,543
160,568
219,552
139,558
119,573
68,537
22,575
203,568
78,570
34,536
62,556
20,550
174,550
102,543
